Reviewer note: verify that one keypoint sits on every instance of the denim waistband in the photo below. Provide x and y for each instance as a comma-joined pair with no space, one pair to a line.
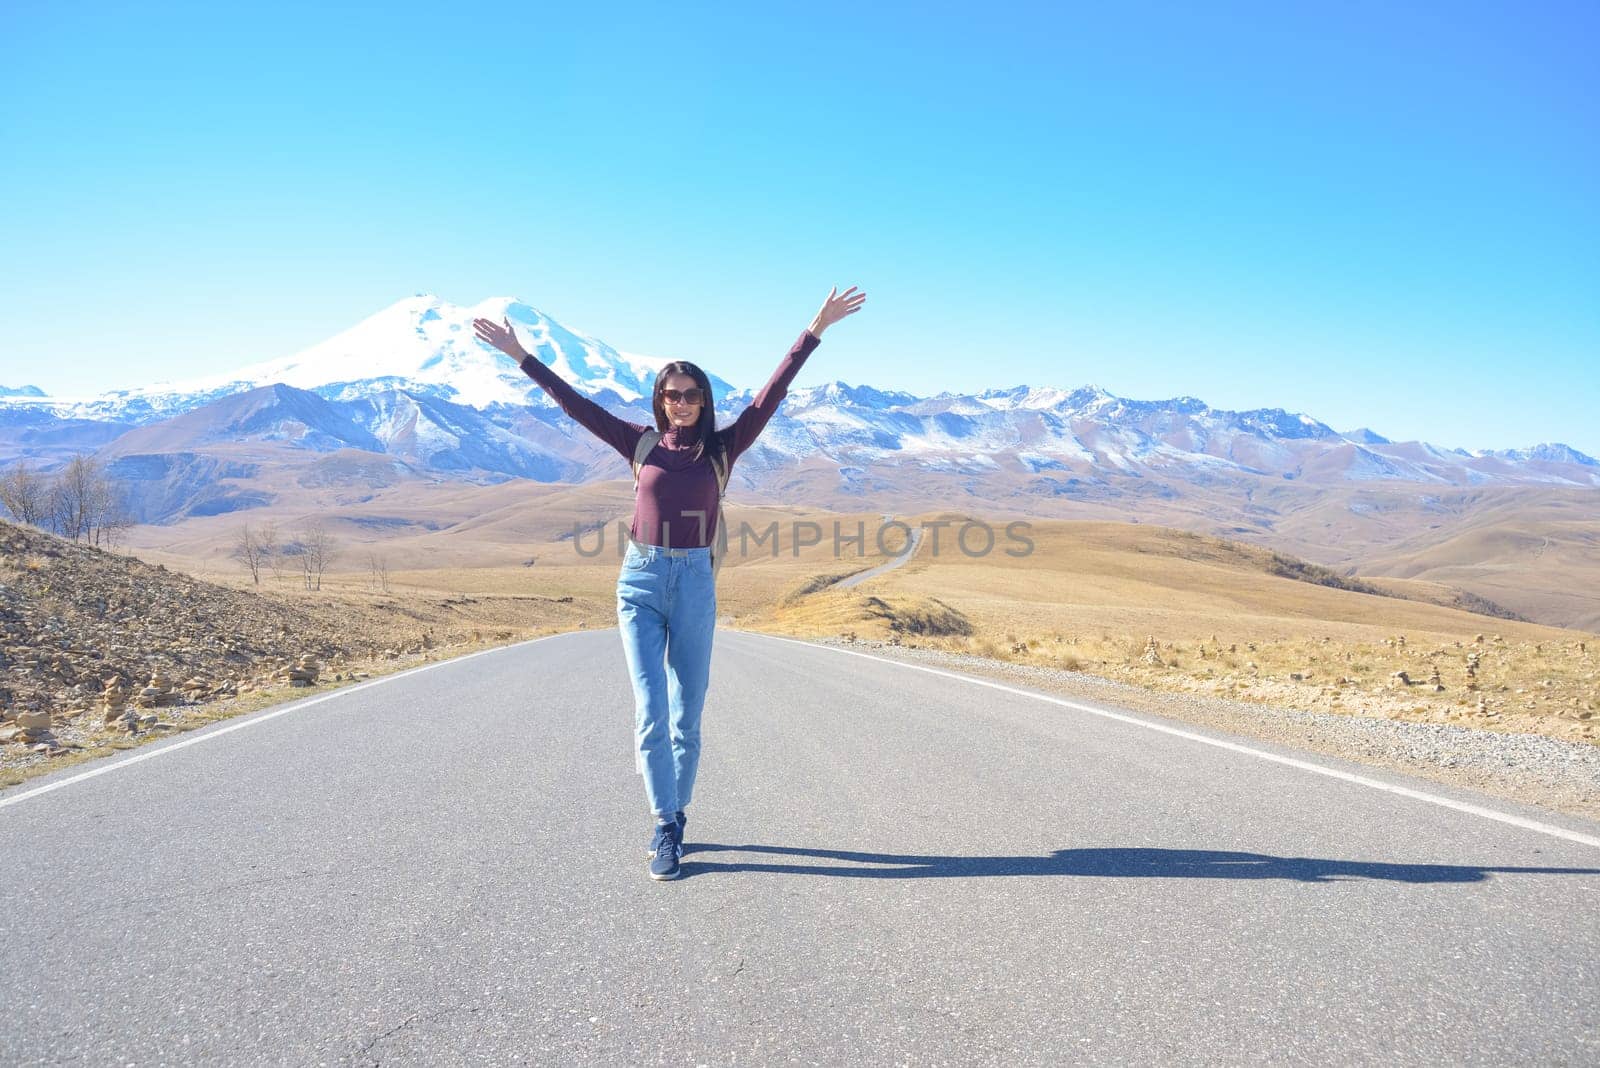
662,550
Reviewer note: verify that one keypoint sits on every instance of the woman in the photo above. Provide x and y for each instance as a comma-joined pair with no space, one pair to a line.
666,590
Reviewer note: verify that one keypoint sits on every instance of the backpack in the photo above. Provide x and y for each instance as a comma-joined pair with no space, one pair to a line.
719,544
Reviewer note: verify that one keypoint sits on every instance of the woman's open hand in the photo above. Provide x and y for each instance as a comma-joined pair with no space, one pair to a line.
836,307
501,337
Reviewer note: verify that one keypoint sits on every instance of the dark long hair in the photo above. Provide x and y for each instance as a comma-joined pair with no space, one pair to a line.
708,415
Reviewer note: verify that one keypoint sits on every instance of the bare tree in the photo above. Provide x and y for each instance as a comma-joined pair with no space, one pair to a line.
247,550
380,569
86,504
72,498
108,517
317,550
271,552
26,495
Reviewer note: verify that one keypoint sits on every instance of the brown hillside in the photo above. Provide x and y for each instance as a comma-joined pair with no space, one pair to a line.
73,617
77,622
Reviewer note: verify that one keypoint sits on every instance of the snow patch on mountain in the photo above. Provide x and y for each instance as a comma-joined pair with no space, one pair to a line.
414,380
1550,452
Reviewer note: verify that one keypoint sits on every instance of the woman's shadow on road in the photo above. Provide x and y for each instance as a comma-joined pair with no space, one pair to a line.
1123,863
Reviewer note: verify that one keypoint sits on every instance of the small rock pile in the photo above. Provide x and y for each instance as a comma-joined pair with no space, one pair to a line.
114,697
30,728
157,693
1152,653
302,673
114,703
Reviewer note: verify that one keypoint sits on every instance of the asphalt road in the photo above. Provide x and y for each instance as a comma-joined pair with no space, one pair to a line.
887,865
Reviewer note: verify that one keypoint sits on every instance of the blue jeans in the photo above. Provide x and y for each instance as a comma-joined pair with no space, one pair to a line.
667,610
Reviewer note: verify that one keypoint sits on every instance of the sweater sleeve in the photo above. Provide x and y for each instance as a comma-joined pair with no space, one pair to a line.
618,433
745,429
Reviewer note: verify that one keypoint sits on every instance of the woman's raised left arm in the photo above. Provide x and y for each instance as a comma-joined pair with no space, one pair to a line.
754,419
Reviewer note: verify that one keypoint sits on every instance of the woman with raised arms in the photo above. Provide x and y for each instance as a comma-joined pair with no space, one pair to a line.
666,589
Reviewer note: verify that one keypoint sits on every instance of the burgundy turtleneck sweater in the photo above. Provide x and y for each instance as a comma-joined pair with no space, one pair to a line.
677,501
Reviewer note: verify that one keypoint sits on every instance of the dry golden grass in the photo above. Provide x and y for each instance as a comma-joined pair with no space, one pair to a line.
1538,567
1224,620
1533,549
1225,616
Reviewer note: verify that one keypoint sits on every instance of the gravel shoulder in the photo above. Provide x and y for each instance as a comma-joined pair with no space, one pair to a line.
1525,768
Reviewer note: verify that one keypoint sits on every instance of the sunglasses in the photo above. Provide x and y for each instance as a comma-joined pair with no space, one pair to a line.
686,396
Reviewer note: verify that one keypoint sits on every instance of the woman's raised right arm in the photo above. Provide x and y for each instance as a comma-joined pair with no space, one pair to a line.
618,433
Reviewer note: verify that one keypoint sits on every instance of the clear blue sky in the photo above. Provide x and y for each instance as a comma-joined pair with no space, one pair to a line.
1373,215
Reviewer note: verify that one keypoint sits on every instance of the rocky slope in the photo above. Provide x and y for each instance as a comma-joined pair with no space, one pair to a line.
93,643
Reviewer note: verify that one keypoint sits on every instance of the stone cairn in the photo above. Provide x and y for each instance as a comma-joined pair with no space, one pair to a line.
114,701
1152,653
157,693
302,673
1473,660
1434,682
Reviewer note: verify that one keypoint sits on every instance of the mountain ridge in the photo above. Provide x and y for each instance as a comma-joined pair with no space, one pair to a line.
412,383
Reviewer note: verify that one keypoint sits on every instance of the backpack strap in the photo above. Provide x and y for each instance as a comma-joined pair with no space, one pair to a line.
647,441
719,544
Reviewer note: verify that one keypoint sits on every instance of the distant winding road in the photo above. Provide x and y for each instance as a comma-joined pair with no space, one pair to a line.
910,551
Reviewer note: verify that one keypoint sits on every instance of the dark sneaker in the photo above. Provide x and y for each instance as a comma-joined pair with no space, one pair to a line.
655,839
664,865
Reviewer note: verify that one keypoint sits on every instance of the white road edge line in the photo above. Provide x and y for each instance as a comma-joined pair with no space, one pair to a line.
1460,806
282,710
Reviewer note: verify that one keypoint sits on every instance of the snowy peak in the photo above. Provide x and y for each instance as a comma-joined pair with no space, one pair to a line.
422,345
839,392
427,345
1028,397
1277,423
1550,453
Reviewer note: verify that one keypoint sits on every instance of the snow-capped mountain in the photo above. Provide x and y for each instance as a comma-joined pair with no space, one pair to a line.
413,384
422,345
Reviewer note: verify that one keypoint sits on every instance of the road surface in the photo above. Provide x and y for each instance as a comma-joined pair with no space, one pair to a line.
887,865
